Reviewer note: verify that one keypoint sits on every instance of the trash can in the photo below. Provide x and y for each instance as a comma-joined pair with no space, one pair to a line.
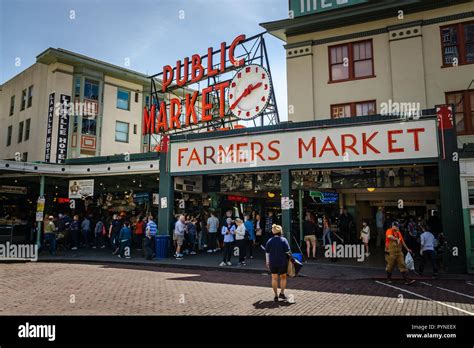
161,247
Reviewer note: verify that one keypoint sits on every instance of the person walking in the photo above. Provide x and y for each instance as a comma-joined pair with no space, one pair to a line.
345,225
114,231
212,228
258,230
326,230
269,222
394,253
99,232
50,234
86,230
125,238
75,228
138,230
148,245
309,232
379,223
427,250
365,236
179,231
276,251
248,223
228,231
191,231
241,240
153,229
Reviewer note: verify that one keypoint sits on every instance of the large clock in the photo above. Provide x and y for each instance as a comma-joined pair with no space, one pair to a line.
249,92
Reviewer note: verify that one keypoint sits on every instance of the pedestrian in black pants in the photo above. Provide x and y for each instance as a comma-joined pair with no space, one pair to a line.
427,241
240,240
228,231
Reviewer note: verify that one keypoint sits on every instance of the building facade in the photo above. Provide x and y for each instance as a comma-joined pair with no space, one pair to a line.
105,107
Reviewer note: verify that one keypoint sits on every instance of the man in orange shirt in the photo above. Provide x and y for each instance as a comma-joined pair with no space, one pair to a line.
394,253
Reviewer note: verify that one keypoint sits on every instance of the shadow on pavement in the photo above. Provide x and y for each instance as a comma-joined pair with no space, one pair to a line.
271,304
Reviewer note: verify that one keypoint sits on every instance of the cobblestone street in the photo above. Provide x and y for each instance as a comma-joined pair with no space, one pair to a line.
80,289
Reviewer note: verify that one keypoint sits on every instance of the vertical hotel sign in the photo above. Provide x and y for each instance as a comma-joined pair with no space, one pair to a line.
300,8
49,128
63,129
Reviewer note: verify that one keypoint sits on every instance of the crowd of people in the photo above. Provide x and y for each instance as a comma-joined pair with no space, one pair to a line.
203,232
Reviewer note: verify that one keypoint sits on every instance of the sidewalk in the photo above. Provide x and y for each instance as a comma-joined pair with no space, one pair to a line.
322,268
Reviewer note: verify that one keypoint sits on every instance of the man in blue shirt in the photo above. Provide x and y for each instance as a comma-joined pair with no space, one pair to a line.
153,230
251,234
277,260
124,238
427,241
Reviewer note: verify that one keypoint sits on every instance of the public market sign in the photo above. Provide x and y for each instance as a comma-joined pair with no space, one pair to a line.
248,91
391,141
300,8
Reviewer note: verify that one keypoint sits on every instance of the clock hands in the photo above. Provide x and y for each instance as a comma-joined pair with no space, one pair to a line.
246,92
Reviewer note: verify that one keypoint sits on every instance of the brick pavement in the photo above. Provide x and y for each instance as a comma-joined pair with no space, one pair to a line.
115,289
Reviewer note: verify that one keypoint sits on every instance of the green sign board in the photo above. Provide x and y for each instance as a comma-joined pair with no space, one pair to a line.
300,8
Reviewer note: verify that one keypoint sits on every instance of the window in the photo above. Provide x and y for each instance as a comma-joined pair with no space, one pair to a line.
20,132
30,96
88,126
91,89
27,129
351,61
9,135
464,116
25,156
77,87
12,105
121,132
353,109
23,99
457,42
136,97
134,129
123,99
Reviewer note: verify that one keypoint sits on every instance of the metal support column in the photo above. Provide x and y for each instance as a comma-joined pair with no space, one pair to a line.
286,213
39,224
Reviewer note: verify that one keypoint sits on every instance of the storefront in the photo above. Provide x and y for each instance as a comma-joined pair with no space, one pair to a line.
321,166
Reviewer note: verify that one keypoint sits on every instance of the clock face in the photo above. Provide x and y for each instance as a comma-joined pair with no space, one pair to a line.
249,92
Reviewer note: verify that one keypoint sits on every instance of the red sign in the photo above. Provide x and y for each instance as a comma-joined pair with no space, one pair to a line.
445,117
238,199
191,71
63,200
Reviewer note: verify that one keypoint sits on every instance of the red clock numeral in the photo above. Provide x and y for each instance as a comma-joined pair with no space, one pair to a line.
263,98
256,69
232,96
233,84
263,76
257,108
265,87
239,112
239,75
247,69
248,113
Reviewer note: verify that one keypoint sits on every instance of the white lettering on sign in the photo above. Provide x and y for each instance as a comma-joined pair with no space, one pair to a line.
391,141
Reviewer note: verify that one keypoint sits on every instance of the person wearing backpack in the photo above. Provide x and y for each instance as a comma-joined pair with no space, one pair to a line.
240,240
276,251
125,238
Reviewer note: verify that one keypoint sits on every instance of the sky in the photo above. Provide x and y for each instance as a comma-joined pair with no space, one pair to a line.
147,34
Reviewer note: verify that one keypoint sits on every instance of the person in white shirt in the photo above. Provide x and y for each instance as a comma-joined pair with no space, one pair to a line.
240,240
427,241
365,236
